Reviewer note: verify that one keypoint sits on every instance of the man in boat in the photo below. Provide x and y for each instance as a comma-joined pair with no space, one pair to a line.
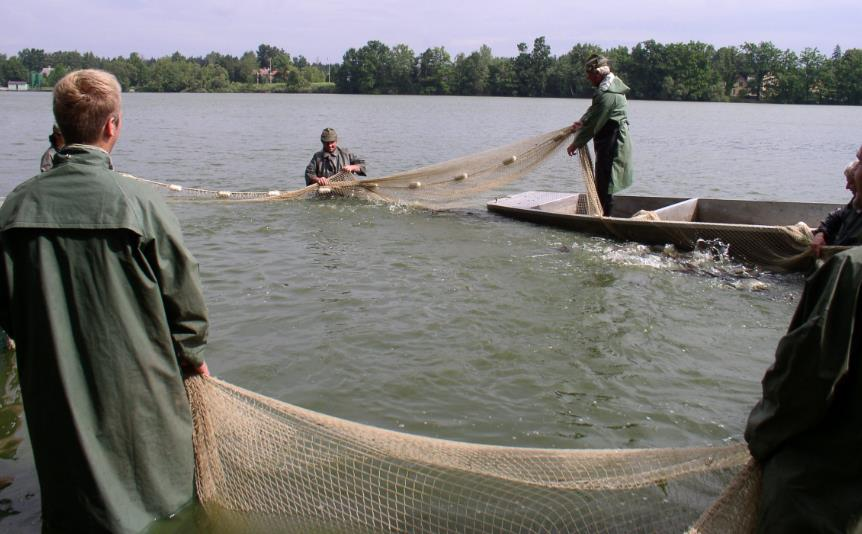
805,432
843,227
332,160
104,302
606,123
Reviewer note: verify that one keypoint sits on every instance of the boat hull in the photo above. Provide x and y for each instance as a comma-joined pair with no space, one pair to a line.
773,234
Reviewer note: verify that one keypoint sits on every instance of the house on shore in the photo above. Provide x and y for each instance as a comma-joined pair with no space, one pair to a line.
17,85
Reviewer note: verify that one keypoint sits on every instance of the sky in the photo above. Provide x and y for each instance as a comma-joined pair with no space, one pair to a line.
323,30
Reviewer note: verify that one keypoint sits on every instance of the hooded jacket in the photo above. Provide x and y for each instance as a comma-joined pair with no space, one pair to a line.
609,104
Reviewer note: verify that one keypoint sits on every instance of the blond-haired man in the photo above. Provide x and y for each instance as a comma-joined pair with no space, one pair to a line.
104,302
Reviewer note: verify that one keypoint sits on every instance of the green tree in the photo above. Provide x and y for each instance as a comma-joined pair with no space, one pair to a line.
33,59
571,79
313,74
649,70
373,68
231,64
89,60
786,83
848,72
347,74
139,70
533,68
760,63
812,67
435,71
541,62
248,67
521,65
502,80
284,65
171,76
55,76
402,69
122,69
689,73
267,53
471,74
14,70
727,63
213,78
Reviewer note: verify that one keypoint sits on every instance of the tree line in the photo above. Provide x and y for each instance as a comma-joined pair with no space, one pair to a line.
692,71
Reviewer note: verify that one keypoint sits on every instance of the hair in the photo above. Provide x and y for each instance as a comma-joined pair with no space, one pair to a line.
850,168
83,101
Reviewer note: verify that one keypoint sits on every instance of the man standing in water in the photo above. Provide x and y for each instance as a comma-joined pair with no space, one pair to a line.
105,304
56,140
606,123
842,227
805,431
332,160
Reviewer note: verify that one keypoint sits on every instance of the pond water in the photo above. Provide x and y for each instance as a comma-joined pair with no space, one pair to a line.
461,324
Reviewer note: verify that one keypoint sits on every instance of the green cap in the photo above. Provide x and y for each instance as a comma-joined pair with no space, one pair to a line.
328,135
594,62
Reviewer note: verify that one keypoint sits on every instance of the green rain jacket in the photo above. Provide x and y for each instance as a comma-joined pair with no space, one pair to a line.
104,302
807,429
609,104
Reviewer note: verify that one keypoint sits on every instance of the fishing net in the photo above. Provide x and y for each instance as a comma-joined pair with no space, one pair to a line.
267,466
782,248
446,184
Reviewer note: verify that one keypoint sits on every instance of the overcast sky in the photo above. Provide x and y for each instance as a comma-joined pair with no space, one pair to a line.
324,30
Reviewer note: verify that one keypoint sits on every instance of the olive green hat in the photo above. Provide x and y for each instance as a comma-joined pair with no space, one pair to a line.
328,135
594,62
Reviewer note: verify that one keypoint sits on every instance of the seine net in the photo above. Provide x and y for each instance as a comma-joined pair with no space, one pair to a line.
265,465
445,184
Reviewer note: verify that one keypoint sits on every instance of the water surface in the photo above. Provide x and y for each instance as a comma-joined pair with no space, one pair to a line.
461,325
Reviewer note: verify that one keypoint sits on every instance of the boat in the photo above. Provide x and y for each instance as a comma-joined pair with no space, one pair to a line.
772,234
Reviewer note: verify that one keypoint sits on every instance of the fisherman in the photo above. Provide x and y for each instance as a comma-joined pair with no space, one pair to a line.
805,430
56,140
332,160
843,227
606,123
104,302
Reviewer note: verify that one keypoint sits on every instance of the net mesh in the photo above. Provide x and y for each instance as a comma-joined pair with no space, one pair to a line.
442,185
265,465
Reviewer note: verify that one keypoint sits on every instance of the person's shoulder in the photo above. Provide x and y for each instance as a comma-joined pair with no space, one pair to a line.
149,206
14,198
138,191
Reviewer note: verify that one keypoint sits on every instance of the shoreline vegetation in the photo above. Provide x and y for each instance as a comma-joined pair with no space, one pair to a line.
693,71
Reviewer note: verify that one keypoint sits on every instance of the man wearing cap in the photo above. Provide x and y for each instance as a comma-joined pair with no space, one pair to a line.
332,160
606,123
56,140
